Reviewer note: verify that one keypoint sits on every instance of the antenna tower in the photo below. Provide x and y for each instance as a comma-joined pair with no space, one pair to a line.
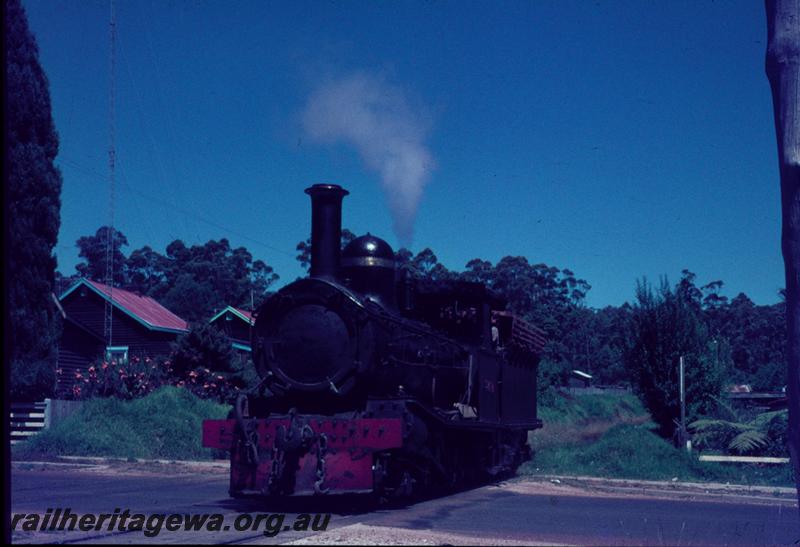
109,280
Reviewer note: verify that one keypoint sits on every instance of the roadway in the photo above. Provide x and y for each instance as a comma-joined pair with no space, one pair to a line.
517,512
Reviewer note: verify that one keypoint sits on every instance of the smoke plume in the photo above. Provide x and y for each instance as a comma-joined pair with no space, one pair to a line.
374,116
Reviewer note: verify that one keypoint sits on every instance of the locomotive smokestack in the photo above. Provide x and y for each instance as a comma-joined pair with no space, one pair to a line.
326,228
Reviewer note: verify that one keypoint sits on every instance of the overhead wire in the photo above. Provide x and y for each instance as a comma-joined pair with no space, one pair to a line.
171,206
166,113
140,213
159,164
152,149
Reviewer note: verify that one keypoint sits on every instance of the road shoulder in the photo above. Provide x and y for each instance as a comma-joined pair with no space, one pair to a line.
582,485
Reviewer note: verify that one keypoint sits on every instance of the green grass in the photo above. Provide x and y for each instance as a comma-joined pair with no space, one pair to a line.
165,424
612,436
557,407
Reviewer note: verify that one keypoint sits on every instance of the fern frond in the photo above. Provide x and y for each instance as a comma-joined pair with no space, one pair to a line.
726,409
763,421
707,424
748,441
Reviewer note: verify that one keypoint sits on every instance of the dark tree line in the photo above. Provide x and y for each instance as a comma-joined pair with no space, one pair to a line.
743,341
33,200
304,248
722,341
596,339
193,282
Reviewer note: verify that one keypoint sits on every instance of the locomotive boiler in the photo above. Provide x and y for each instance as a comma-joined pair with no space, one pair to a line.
376,382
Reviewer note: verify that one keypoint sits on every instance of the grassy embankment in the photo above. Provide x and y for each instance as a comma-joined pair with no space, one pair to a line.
613,436
593,435
166,424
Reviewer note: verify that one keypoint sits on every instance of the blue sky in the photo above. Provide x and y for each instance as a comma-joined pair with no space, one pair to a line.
617,139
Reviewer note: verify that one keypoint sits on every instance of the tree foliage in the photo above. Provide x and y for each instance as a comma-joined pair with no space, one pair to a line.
551,298
202,347
207,350
665,326
757,337
33,197
92,249
764,434
213,274
747,337
743,341
303,248
425,266
193,282
31,380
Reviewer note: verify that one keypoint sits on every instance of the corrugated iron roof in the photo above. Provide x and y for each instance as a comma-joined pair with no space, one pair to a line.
244,315
144,309
249,315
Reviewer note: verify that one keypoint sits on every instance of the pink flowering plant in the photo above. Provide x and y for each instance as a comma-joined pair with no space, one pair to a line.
125,380
208,384
202,361
143,375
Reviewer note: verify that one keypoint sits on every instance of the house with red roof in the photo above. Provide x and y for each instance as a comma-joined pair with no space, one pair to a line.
140,327
237,324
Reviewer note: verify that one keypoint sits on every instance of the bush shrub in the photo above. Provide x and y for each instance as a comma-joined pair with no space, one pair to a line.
764,435
204,346
665,326
611,436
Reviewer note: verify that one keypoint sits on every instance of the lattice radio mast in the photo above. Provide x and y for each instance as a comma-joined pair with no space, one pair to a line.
109,281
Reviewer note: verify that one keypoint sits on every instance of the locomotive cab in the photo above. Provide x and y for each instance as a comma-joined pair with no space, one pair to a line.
459,309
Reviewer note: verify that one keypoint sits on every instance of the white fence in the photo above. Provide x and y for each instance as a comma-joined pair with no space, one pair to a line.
596,390
28,419
741,459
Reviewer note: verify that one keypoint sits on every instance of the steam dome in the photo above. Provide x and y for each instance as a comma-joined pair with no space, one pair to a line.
368,267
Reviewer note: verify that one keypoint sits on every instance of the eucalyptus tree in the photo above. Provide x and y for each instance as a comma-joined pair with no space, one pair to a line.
783,72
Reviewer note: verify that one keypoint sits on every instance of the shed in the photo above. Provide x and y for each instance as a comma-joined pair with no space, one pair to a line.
578,378
140,326
237,324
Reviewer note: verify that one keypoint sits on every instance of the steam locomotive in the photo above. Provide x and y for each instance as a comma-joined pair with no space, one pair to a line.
375,382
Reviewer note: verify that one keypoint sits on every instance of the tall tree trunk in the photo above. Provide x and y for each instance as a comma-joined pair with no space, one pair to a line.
783,71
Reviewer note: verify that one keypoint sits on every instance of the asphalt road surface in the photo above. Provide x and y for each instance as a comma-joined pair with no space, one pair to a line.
512,513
